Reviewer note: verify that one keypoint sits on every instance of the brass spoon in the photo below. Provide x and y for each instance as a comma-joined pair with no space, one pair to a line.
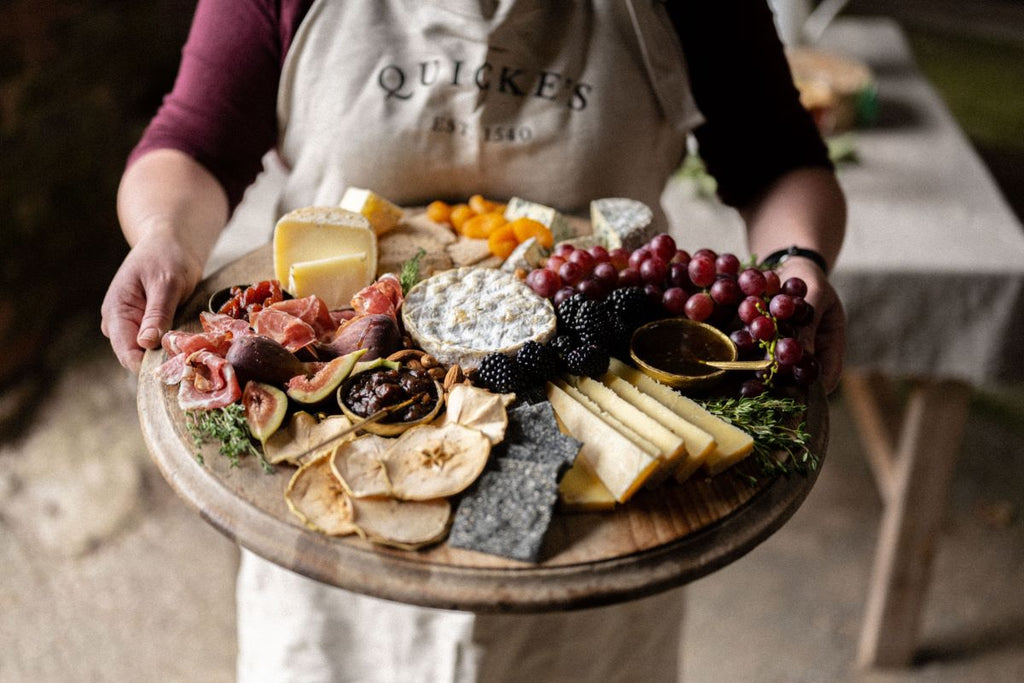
380,414
728,364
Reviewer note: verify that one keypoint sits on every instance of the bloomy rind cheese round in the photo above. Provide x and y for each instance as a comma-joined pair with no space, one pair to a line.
460,316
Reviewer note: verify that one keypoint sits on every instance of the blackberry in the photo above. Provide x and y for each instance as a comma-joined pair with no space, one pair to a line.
589,360
594,324
500,373
566,312
563,344
630,303
538,361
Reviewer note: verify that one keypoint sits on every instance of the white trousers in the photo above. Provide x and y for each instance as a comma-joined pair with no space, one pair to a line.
291,628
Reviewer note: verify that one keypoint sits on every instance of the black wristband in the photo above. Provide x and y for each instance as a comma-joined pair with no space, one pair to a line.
780,256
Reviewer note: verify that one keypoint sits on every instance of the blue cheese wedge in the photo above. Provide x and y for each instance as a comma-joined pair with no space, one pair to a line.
527,256
462,315
621,222
551,218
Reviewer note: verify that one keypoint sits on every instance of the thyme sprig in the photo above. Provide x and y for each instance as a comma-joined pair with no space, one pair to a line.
228,427
410,274
769,419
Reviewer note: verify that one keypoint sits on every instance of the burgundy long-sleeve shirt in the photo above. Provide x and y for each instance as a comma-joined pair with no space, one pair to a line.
222,109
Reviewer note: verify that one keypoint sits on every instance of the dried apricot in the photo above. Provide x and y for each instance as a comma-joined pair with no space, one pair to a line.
502,241
482,225
481,205
525,228
439,212
460,213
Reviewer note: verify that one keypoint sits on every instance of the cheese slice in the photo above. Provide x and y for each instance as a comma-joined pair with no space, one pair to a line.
671,447
621,222
581,491
335,279
620,464
550,218
383,214
699,443
732,444
316,233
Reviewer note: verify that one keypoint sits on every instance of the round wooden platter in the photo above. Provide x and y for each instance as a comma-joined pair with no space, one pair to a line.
663,537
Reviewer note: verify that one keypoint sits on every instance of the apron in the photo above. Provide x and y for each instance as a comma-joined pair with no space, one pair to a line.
558,103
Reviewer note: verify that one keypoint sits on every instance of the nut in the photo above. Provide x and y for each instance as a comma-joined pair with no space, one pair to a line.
429,361
413,365
406,355
452,377
437,372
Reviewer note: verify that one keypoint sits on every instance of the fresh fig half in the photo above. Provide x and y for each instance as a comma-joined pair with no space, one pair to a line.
310,389
265,407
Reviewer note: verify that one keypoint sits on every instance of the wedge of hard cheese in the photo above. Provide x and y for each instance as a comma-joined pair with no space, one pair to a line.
383,214
581,491
731,443
314,242
671,447
698,443
620,464
333,279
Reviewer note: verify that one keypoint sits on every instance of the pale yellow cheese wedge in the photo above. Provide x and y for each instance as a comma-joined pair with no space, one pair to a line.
581,491
383,214
699,443
318,232
335,279
731,443
620,464
671,446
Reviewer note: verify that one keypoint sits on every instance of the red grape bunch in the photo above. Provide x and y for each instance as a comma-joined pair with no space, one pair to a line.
761,314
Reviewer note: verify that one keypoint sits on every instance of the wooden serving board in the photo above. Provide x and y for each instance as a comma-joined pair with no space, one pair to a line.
662,538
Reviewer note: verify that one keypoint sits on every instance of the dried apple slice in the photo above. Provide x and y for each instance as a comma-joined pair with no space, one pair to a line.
435,461
404,524
303,432
316,497
480,409
359,466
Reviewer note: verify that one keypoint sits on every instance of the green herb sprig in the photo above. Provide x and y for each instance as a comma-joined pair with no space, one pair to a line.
410,274
767,419
228,427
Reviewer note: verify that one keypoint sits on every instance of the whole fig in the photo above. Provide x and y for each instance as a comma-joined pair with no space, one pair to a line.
376,332
261,359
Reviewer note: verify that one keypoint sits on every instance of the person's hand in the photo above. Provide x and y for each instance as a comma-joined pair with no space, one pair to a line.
139,306
826,335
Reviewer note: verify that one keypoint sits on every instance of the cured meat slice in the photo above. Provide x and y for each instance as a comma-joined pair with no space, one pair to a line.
180,345
311,310
287,330
208,382
383,296
224,324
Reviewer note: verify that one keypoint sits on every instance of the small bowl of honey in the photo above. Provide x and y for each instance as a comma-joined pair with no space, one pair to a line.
683,353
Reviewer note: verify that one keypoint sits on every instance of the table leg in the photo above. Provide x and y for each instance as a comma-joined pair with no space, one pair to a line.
915,497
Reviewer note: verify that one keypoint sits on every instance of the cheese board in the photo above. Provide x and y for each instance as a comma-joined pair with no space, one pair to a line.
661,538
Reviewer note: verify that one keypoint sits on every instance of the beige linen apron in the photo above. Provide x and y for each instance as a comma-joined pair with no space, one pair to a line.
557,102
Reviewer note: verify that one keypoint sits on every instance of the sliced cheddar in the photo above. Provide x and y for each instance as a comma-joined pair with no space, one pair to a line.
671,446
317,233
731,443
383,214
335,279
620,464
581,491
699,443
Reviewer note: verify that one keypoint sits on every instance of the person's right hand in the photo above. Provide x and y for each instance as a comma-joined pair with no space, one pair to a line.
139,306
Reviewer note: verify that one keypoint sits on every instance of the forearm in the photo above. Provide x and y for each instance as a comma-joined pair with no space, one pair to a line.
804,208
167,194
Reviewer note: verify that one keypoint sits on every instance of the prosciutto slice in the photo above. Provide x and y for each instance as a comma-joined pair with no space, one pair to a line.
287,330
311,310
208,382
383,296
218,323
180,345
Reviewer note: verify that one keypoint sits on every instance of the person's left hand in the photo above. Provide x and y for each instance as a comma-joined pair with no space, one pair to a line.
826,335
